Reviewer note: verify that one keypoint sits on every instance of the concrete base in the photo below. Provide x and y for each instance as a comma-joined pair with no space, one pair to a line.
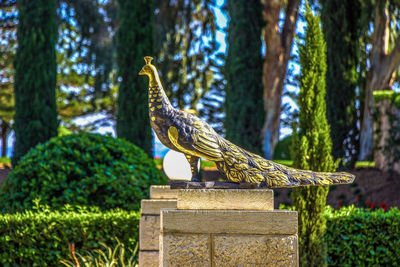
223,235
162,197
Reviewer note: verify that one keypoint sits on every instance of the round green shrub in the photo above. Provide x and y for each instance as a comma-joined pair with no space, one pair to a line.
81,169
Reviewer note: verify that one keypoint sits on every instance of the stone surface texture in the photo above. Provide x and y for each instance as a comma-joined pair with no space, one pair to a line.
163,192
245,250
232,199
186,250
153,206
162,197
278,222
227,227
149,232
148,258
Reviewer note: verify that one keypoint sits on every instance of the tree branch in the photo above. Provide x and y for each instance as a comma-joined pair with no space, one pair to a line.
289,26
380,36
392,62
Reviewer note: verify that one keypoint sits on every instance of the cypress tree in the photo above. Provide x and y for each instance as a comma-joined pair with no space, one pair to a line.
312,145
244,91
134,41
35,75
342,34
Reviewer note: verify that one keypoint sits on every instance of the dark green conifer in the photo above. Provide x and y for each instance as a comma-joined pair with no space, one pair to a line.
134,41
244,91
312,145
342,34
35,75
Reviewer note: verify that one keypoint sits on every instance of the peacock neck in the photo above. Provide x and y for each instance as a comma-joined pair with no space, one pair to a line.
158,100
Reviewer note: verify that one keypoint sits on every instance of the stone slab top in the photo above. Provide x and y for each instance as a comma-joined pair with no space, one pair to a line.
277,222
163,192
225,199
153,206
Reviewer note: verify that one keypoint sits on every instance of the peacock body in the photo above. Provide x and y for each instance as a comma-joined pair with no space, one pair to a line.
186,133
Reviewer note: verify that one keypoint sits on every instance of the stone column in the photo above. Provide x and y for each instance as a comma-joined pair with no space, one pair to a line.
161,197
227,227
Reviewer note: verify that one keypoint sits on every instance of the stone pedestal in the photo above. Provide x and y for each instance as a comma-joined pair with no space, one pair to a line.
227,227
161,197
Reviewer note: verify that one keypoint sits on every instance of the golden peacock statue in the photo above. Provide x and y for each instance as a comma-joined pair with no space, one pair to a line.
186,133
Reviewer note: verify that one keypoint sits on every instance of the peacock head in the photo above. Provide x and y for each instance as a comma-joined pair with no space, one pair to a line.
148,69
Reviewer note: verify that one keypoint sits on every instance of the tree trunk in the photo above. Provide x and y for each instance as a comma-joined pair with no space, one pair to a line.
4,130
278,46
380,76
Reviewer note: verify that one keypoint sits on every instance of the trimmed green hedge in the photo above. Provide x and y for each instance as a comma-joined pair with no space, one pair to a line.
41,238
81,169
361,237
356,237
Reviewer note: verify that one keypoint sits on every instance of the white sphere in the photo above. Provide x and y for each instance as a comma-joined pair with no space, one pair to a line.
176,166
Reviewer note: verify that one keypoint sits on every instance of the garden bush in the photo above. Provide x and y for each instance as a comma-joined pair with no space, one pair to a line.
81,169
358,237
41,237
361,237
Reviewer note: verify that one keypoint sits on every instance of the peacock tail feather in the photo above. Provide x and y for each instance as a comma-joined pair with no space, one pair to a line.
240,165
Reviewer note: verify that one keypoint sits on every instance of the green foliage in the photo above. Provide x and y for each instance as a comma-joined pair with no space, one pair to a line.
106,256
134,41
358,237
361,237
282,149
342,34
35,75
81,169
187,59
312,145
41,237
244,91
86,63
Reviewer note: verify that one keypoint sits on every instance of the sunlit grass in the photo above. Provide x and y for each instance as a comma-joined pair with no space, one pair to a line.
5,160
365,164
283,162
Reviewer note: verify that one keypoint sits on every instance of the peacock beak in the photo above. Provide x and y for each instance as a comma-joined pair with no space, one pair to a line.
142,72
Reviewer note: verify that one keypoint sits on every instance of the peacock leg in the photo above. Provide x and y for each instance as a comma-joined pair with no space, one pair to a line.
193,162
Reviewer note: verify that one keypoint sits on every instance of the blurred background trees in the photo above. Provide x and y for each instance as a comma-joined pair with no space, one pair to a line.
244,113
343,32
278,37
35,118
134,39
189,49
